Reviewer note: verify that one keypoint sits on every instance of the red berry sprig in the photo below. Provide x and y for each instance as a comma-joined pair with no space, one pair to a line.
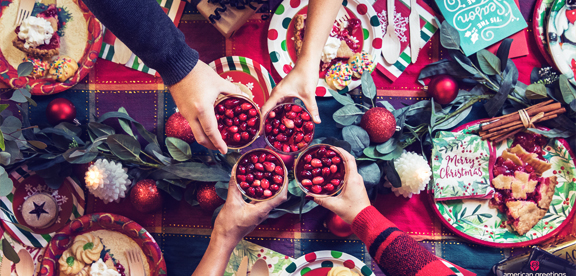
320,170
260,174
238,121
289,128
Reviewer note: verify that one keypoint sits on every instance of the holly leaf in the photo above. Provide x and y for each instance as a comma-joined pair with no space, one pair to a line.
536,91
489,63
9,252
392,174
449,37
6,183
347,115
124,147
25,69
368,86
178,149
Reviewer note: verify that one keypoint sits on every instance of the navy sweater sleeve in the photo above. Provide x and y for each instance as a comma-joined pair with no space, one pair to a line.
146,29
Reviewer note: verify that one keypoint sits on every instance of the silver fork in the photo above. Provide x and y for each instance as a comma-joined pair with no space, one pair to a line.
25,9
135,263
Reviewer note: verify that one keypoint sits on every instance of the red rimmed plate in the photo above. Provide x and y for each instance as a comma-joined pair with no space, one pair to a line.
9,74
541,11
98,221
475,221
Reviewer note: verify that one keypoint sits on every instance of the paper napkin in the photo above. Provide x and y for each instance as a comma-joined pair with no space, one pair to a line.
276,262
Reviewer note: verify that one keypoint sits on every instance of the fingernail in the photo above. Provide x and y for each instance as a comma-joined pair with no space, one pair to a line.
317,118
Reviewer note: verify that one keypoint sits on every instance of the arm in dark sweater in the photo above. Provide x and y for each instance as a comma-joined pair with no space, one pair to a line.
395,252
146,29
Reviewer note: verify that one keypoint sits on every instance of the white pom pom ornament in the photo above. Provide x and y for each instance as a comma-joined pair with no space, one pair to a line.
414,172
107,180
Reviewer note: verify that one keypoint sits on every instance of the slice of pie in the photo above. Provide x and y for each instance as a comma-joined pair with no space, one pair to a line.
521,191
38,36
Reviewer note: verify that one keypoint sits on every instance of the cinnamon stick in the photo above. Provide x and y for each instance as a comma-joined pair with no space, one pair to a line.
504,137
516,116
557,111
510,114
498,134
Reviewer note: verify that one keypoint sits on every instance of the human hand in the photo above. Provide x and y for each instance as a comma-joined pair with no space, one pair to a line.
353,198
299,83
195,95
238,218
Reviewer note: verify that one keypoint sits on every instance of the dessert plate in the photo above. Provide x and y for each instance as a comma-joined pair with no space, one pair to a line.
475,221
70,198
97,221
541,12
248,72
281,30
320,262
562,48
9,74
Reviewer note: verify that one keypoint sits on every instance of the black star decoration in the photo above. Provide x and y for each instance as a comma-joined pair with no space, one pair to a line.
38,210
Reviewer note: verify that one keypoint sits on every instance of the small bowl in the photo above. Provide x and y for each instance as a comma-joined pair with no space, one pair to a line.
268,133
342,169
220,117
247,156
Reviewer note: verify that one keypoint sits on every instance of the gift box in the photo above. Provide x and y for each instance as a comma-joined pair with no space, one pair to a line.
226,18
461,165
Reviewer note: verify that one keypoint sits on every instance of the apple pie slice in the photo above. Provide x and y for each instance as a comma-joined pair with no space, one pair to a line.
38,36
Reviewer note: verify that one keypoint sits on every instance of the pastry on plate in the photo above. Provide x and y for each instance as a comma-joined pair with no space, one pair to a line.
40,211
341,271
361,62
69,265
62,69
338,76
87,248
39,67
37,35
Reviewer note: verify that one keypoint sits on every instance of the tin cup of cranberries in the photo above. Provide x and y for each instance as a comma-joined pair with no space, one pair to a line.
321,170
288,128
260,174
238,120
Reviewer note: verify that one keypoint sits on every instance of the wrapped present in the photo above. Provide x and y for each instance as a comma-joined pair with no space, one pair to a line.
228,16
461,166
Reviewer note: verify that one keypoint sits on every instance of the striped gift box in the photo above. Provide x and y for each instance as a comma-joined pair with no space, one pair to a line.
8,217
174,10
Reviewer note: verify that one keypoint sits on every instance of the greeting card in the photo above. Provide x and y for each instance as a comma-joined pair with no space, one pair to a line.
461,166
482,23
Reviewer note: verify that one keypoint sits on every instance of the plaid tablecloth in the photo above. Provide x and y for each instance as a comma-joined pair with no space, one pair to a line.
183,232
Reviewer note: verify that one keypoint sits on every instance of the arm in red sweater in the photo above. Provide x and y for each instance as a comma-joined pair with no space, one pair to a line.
395,252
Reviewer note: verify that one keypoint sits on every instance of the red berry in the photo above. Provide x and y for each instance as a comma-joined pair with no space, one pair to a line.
279,170
298,122
296,108
244,185
267,193
229,113
333,169
330,153
286,148
220,109
308,127
243,126
233,129
265,184
236,138
298,137
335,182
259,166
329,187
250,191
277,145
256,183
272,115
262,157
249,178
308,158
245,136
252,112
267,128
277,179
288,123
306,174
316,189
291,115
294,148
241,170
321,152
269,166
336,160
242,117
258,175
305,116
252,122
308,167
241,177
318,180
316,171
282,128
281,137
274,187
228,122
316,163
327,162
271,158
246,106
325,172
308,137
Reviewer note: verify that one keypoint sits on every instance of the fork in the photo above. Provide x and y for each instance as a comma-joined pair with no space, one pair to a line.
342,16
135,263
25,9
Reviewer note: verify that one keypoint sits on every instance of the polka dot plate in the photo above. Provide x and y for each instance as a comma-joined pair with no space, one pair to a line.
281,30
319,263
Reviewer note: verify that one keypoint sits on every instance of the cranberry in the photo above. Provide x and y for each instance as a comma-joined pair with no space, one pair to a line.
265,174
246,106
269,166
325,171
298,122
252,112
244,185
333,169
268,128
241,177
308,167
336,160
308,127
231,103
308,158
238,110
335,182
329,187
274,187
252,122
243,126
298,137
279,170
236,138
258,175
241,170
307,182
326,162
250,178
267,193
305,116
316,189
228,122
271,158
316,163
277,179
306,174
236,121
220,109
242,117
265,183
317,171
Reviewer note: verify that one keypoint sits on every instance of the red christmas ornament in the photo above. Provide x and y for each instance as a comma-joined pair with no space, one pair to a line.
379,123
338,226
443,88
207,197
177,126
60,110
145,196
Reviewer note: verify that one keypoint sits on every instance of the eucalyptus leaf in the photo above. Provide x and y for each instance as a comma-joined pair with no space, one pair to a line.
454,121
466,66
70,136
388,146
449,37
386,105
147,135
391,174
190,197
370,172
495,104
24,69
155,151
11,128
6,183
5,158
221,189
20,95
124,123
198,172
173,190
294,189
178,149
433,116
9,252
357,137
503,51
536,91
489,63
393,155
37,144
124,147
32,102
3,107
2,142
100,129
347,115
443,67
553,133
568,91
368,86
342,99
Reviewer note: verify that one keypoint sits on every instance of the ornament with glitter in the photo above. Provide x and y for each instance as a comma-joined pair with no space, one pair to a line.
107,180
414,172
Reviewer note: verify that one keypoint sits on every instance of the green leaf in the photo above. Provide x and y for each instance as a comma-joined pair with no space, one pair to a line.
388,146
368,86
357,137
342,99
178,149
198,172
489,63
476,209
147,135
568,91
88,246
449,37
32,102
553,133
5,158
294,188
124,147
221,189
124,123
20,95
25,68
347,115
391,174
536,91
454,121
6,183
100,129
37,144
9,252
433,117
190,197
2,143
173,190
393,155
3,107
466,67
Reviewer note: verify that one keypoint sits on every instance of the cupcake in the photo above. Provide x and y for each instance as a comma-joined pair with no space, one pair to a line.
40,211
69,265
62,69
39,67
338,76
87,248
361,62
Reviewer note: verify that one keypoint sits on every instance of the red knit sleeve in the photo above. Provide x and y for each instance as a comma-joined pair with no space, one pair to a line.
395,252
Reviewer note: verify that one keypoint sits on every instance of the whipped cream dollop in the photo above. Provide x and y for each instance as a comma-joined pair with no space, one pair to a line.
35,31
330,49
99,268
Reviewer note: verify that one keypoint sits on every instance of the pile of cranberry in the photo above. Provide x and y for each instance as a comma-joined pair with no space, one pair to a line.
260,174
320,170
238,121
288,128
